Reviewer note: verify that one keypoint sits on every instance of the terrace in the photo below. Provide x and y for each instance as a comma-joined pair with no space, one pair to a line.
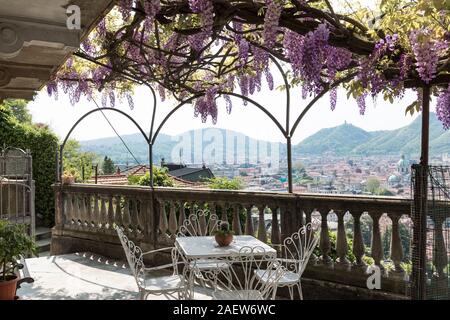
87,260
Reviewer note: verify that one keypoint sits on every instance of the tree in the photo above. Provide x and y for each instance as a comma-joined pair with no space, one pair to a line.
372,185
108,166
19,110
74,160
161,178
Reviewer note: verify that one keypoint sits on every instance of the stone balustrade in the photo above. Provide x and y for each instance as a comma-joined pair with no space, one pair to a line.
353,228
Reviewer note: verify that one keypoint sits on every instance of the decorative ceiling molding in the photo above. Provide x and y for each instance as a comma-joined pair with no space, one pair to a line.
35,41
5,77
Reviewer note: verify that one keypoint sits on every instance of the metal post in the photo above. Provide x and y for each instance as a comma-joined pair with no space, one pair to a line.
289,162
422,201
57,175
61,168
150,154
96,173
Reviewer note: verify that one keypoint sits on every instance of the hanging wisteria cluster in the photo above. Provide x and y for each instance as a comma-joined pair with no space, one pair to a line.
443,107
208,48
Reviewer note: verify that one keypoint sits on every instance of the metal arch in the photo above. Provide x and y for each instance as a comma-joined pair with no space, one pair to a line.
182,103
316,98
288,91
149,140
219,92
61,150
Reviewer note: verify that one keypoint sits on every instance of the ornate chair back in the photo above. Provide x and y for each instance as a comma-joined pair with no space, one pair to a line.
241,281
297,249
199,224
134,257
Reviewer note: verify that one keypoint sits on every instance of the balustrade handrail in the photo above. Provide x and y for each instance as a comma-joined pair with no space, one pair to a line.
396,206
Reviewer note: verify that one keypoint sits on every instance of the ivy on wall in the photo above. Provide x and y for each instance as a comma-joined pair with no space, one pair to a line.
43,144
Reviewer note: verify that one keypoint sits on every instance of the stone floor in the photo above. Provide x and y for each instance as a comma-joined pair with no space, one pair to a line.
84,276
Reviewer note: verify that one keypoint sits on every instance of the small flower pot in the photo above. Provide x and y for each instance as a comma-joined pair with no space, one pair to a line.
68,179
8,288
224,240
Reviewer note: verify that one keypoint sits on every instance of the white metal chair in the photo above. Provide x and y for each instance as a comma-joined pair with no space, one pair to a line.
242,282
152,285
199,225
294,254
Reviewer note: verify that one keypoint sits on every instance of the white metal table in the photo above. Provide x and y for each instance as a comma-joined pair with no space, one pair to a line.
200,251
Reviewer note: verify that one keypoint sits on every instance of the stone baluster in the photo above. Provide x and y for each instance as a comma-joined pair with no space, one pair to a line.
262,235
89,211
236,223
249,221
110,214
126,215
213,217
69,209
172,227
224,215
275,234
96,213
396,246
118,218
163,224
193,223
377,248
76,211
308,219
358,243
182,215
82,217
192,208
134,216
325,244
341,241
103,213
202,223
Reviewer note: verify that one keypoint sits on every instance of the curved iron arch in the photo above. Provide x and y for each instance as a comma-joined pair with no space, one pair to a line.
61,148
317,98
184,102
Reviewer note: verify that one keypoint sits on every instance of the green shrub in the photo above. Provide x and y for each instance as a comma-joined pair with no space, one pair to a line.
225,183
43,144
161,178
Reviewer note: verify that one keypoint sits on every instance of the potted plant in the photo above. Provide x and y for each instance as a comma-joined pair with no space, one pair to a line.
68,177
224,236
14,242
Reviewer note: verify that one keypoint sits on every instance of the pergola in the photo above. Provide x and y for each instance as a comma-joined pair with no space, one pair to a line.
200,49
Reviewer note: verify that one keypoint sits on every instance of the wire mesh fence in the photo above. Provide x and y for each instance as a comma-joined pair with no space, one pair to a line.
431,238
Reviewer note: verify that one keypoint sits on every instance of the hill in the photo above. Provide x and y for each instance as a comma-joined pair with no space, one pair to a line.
212,142
345,139
351,140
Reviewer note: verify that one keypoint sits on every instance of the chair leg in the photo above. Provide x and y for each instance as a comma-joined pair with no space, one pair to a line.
274,294
143,295
291,292
191,285
299,287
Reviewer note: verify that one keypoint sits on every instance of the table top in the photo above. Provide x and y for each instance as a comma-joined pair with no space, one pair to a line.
206,247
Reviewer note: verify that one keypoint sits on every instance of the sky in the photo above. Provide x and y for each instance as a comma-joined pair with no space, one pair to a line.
380,115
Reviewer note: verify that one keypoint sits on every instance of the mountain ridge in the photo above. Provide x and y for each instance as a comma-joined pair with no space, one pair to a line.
345,139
